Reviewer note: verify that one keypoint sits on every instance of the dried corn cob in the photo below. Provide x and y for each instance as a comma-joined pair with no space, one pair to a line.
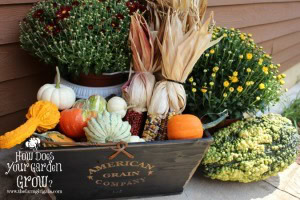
136,120
163,134
152,127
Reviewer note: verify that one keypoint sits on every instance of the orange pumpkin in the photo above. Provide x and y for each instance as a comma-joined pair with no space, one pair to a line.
72,122
186,126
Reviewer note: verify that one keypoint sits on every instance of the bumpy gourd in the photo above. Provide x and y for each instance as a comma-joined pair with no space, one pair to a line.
252,150
107,127
42,116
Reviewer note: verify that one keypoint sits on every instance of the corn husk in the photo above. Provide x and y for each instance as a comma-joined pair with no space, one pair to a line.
138,90
180,51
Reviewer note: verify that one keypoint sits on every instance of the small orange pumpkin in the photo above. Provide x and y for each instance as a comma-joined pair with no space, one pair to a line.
72,122
185,126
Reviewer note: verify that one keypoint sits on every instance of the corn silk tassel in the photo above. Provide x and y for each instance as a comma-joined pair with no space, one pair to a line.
42,116
138,90
181,48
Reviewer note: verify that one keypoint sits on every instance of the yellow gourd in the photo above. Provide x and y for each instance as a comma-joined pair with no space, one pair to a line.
42,116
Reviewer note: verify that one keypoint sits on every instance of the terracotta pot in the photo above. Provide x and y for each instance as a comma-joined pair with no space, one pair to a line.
103,80
223,124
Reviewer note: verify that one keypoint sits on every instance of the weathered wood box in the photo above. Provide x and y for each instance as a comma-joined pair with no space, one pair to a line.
158,168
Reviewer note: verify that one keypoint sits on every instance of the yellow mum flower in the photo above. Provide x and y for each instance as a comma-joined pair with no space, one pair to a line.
215,69
252,82
214,36
282,82
271,66
243,37
279,77
235,73
261,86
231,89
248,83
194,90
203,90
207,55
250,35
249,70
191,79
249,56
240,89
211,83
225,95
265,70
257,98
233,29
225,35
286,90
213,74
283,75
278,65
234,79
241,56
212,51
226,83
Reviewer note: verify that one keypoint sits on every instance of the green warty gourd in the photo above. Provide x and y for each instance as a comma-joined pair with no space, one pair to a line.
251,150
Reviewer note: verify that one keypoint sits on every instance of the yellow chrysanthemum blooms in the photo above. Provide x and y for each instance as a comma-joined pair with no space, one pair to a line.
213,74
283,75
257,98
248,83
265,70
271,66
279,77
252,82
211,83
225,95
207,55
233,29
232,34
215,69
241,56
251,40
286,90
249,56
274,77
231,89
233,79
191,79
249,70
203,90
225,35
249,34
194,90
278,65
240,89
212,51
282,82
261,86
226,83
235,73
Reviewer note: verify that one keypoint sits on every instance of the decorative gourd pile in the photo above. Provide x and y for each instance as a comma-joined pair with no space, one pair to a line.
252,150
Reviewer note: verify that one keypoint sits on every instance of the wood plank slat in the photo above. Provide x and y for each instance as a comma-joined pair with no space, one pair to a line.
289,63
17,63
255,14
10,16
7,2
281,43
267,32
238,2
11,121
287,54
21,93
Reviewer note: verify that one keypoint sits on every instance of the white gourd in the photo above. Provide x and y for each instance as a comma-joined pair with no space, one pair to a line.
62,96
107,127
117,105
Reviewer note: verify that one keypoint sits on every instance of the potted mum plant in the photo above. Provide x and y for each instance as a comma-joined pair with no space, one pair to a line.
235,75
87,39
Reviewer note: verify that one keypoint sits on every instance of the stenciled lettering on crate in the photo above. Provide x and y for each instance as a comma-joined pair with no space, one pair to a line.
135,172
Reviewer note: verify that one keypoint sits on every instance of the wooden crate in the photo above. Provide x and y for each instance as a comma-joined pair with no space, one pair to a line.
158,168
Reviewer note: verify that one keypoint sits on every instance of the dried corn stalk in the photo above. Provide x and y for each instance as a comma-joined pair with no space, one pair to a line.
138,90
180,51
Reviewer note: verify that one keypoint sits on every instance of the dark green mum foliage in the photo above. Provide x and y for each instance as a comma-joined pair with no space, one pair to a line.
236,75
89,36
252,150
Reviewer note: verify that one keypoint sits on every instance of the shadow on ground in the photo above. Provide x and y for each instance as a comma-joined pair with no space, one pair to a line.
209,189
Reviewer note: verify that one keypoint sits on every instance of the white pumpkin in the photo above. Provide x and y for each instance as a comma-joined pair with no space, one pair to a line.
62,96
117,105
135,138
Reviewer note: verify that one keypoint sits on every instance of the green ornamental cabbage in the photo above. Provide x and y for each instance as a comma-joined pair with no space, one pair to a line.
251,150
